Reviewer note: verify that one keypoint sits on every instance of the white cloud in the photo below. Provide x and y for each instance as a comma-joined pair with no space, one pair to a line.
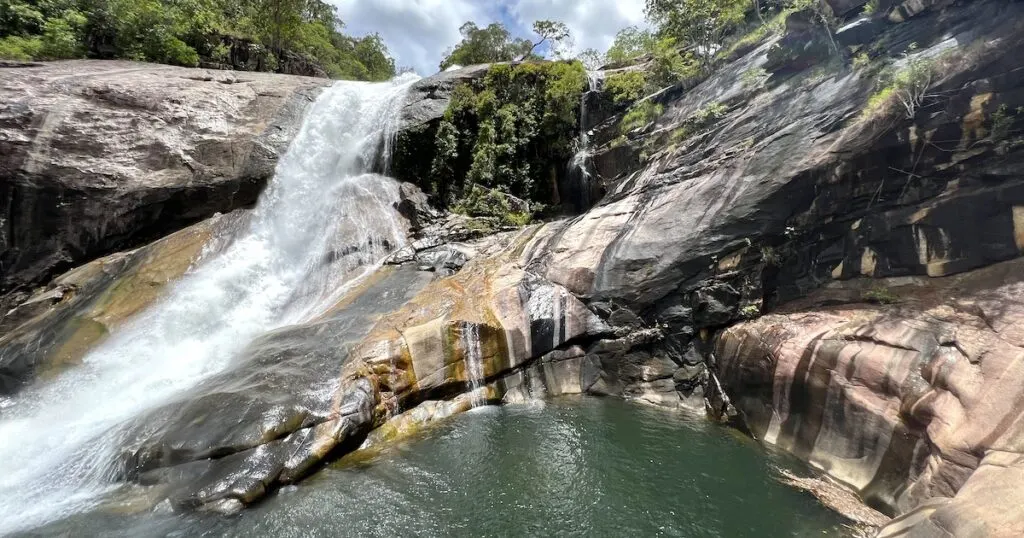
593,23
416,31
419,31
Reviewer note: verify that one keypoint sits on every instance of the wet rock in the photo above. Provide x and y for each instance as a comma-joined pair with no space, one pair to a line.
106,155
54,328
907,402
275,415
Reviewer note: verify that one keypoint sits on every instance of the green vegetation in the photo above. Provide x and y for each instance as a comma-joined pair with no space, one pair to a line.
861,61
640,115
186,32
881,295
774,26
700,120
511,132
754,78
626,86
667,65
700,25
871,7
904,90
494,44
484,202
630,43
1002,122
750,311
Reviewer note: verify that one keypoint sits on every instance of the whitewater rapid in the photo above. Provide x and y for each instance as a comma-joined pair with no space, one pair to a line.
323,221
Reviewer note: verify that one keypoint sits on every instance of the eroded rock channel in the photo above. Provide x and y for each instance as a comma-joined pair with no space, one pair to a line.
839,282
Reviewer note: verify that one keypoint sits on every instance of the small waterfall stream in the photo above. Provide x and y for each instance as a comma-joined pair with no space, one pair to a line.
474,363
323,222
581,167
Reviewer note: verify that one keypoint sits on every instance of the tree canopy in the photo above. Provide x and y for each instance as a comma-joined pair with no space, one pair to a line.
495,43
701,25
186,32
491,44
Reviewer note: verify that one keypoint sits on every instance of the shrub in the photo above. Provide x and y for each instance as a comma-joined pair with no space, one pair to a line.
626,87
754,77
881,295
906,90
62,36
640,115
861,61
669,65
711,113
484,202
871,7
20,48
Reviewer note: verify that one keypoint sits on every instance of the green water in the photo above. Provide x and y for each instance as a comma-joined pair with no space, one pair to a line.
575,467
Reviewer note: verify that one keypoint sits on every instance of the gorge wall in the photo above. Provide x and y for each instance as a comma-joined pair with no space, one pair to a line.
880,242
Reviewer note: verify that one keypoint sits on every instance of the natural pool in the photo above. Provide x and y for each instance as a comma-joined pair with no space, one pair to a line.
568,467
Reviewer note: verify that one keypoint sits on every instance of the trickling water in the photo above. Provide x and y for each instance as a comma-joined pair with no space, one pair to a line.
322,223
581,165
474,363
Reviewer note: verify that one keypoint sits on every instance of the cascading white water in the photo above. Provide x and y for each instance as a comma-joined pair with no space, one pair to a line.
322,222
580,167
474,363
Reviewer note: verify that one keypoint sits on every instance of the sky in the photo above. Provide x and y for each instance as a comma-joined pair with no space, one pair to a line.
418,32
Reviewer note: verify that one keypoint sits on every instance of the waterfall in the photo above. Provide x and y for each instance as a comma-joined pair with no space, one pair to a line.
322,223
581,165
474,363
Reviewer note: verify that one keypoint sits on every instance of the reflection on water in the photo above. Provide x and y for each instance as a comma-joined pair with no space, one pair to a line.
573,467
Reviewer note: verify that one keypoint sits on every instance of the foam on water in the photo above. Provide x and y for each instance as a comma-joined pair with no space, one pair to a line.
323,221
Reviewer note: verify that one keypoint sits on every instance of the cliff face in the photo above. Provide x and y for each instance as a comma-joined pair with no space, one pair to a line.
882,241
100,156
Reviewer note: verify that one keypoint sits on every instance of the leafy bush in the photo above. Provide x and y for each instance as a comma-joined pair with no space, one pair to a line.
871,7
20,48
750,311
629,44
640,115
754,77
669,65
62,36
626,87
1002,122
484,202
904,90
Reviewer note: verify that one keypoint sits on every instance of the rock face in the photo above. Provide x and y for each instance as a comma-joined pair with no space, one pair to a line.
789,193
915,404
102,155
55,327
414,145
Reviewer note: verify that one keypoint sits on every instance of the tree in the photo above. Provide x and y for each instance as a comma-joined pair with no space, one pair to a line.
553,32
373,54
485,45
630,43
702,25
591,59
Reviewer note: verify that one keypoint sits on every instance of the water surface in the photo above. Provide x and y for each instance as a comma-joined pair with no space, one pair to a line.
570,467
